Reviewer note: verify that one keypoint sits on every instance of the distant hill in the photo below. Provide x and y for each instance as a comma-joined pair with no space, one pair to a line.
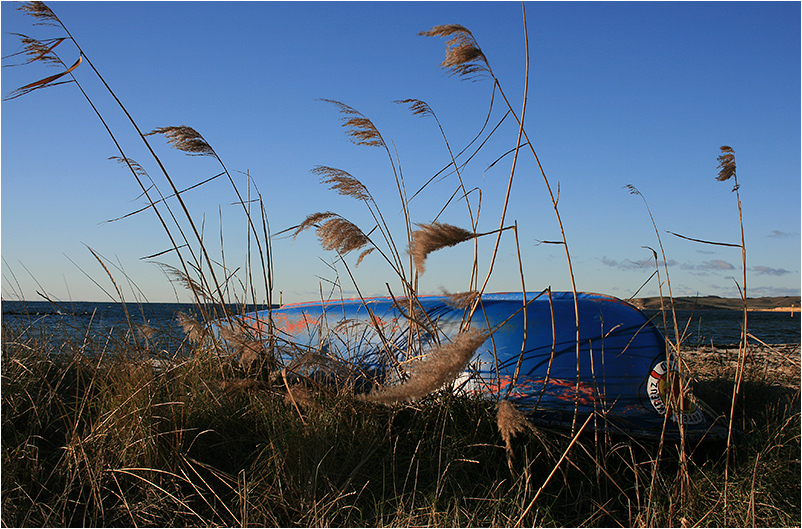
784,303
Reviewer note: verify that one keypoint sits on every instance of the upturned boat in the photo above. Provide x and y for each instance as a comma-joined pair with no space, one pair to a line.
600,363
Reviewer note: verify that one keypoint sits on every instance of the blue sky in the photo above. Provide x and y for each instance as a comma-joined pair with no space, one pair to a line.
619,93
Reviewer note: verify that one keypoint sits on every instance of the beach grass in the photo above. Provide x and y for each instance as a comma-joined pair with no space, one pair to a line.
97,435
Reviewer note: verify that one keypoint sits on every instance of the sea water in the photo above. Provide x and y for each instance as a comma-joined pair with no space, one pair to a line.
723,327
698,327
100,323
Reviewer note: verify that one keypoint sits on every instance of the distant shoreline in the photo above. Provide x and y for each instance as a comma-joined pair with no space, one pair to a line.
775,309
784,304
764,304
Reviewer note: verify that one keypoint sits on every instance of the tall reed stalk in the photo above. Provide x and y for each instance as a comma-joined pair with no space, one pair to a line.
465,59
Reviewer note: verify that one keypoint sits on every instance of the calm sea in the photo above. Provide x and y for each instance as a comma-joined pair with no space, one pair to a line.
723,327
702,327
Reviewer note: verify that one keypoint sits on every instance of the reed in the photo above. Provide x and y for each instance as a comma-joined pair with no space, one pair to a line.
435,370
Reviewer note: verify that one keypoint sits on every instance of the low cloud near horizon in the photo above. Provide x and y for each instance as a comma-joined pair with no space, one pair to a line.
628,264
767,271
777,234
715,265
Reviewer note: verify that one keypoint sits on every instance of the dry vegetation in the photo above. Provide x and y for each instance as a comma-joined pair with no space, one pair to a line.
95,436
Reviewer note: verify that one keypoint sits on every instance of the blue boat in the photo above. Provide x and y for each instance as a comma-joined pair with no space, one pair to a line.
619,376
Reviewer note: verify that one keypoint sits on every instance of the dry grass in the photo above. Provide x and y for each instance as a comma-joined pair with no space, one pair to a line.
115,442
779,364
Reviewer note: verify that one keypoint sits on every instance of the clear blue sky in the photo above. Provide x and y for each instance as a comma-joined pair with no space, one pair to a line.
620,93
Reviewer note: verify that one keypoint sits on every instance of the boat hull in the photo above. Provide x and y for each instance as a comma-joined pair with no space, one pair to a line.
619,375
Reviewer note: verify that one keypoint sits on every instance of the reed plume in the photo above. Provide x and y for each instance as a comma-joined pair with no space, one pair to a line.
336,233
312,220
726,164
361,130
248,349
185,139
464,58
41,12
144,330
38,50
510,421
341,235
364,254
42,51
460,300
310,363
191,326
432,237
133,164
440,367
418,107
342,182
182,278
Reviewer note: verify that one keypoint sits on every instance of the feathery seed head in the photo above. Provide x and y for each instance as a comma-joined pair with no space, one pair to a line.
633,190
180,277
432,237
312,220
249,350
341,235
185,139
335,232
364,254
440,367
41,51
145,331
361,130
726,164
41,12
461,300
191,327
463,55
135,167
510,422
417,107
343,182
